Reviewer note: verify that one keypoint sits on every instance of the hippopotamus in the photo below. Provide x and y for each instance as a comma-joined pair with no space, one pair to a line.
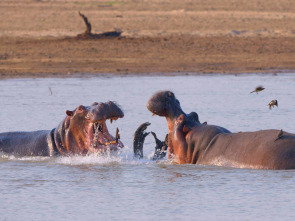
82,131
191,142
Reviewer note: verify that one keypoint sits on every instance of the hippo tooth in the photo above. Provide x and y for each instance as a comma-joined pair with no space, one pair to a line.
111,142
117,135
153,114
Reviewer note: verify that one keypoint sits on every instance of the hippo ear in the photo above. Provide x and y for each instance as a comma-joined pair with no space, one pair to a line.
69,113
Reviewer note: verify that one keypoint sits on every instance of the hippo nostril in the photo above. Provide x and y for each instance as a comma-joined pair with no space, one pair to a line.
170,94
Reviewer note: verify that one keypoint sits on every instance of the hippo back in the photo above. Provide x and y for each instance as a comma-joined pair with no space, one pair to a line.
258,150
200,137
26,143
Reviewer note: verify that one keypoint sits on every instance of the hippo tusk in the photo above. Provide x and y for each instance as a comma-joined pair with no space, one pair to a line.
153,114
111,120
117,135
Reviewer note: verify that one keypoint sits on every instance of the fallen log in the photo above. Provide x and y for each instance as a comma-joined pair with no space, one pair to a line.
88,35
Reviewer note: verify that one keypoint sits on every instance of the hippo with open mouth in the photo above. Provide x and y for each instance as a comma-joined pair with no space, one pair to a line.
193,142
82,131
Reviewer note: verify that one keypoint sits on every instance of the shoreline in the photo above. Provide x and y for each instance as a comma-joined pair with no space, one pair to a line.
111,75
157,37
23,57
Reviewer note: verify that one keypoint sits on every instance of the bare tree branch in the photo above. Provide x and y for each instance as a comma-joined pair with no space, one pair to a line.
87,23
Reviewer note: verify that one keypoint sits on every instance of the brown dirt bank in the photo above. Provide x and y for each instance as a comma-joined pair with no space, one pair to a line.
161,36
20,57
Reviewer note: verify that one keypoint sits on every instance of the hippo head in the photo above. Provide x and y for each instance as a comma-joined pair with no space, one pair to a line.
84,129
164,103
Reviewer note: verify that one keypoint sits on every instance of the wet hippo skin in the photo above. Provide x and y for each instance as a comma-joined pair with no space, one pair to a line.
82,131
189,141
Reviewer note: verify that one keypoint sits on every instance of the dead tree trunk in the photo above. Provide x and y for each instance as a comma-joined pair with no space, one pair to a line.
87,23
88,35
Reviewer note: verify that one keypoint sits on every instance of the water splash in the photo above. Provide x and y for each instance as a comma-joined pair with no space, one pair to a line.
222,162
124,156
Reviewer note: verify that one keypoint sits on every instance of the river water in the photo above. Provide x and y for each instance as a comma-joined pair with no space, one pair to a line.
118,187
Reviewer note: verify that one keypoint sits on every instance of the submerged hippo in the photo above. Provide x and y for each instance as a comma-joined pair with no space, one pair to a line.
82,131
192,142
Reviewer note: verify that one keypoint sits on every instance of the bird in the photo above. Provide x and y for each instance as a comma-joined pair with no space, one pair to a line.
280,135
258,89
273,103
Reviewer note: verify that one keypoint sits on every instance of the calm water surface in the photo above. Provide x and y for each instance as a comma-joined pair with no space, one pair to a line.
119,187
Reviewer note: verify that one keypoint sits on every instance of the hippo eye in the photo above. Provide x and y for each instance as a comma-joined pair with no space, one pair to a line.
81,108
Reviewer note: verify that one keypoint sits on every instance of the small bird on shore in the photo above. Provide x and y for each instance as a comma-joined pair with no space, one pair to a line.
273,103
280,135
258,89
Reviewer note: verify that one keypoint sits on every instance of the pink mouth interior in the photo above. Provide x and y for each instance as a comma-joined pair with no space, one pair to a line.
101,139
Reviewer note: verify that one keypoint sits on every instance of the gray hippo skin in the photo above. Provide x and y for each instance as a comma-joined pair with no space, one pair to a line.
82,131
189,141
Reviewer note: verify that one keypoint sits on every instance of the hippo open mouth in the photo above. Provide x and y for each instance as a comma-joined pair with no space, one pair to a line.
101,138
84,129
